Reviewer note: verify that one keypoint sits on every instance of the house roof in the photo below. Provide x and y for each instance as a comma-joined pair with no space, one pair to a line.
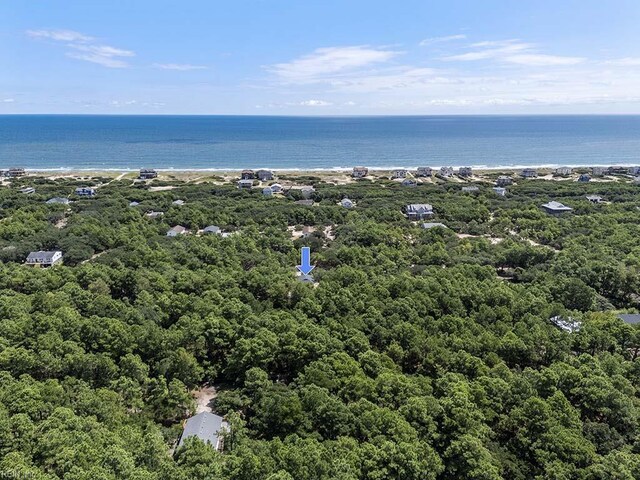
630,318
178,229
42,256
245,181
594,197
212,229
58,200
429,225
206,426
557,207
419,207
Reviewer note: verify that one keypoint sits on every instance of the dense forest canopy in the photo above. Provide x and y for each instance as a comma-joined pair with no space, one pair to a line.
419,354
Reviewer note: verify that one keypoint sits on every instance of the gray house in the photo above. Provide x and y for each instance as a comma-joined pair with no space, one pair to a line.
359,172
529,173
409,182
346,203
419,211
594,198
503,181
424,172
62,200
44,258
465,171
400,173
264,175
212,229
556,208
206,426
446,171
147,174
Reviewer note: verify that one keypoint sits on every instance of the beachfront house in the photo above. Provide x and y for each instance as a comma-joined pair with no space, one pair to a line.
617,170
419,211
634,171
430,225
400,173
212,230
247,175
62,200
529,173
556,208
598,171
276,188
15,172
206,426
500,191
264,175
44,258
424,172
177,230
564,171
360,172
267,192
504,181
584,178
147,174
27,190
86,191
465,172
409,182
594,198
470,189
346,203
446,171
245,184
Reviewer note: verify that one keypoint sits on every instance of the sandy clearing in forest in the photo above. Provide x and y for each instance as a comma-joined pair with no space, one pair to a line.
203,397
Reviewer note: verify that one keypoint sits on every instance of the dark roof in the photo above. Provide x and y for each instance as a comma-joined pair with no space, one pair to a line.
631,318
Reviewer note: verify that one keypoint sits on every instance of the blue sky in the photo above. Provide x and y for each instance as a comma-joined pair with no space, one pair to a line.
311,57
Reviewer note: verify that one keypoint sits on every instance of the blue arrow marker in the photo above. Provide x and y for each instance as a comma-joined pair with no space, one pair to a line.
305,266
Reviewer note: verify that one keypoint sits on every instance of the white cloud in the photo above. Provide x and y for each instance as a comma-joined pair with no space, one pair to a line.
512,51
624,62
8,100
60,35
448,38
330,61
83,47
315,103
540,60
183,67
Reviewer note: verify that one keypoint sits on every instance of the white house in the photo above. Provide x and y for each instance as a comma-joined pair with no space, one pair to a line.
500,191
44,258
177,230
446,171
564,171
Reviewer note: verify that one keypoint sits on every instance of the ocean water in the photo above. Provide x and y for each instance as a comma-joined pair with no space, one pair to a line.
233,142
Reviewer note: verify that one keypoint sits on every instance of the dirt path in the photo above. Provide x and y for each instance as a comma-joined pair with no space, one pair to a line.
203,397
